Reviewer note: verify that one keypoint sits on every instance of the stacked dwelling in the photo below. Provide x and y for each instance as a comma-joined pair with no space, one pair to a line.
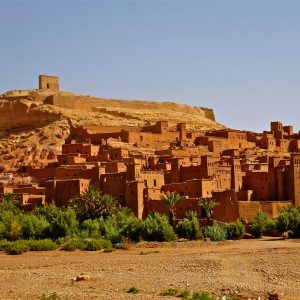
243,171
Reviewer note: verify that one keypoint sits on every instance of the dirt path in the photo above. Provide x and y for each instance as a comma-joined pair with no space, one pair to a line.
249,268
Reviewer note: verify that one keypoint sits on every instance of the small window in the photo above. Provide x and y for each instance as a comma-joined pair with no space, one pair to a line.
154,182
48,86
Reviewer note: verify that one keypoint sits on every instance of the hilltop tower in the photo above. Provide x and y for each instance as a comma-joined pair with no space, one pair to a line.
49,83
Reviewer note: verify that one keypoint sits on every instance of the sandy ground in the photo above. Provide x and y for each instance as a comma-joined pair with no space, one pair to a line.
248,268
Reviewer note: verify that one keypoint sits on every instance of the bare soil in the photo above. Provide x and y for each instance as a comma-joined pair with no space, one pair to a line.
248,268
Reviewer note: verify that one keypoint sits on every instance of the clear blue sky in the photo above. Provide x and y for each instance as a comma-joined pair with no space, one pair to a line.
240,58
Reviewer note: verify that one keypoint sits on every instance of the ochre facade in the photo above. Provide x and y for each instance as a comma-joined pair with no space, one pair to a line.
243,171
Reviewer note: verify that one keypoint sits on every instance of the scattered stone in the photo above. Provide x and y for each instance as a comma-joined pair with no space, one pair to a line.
80,277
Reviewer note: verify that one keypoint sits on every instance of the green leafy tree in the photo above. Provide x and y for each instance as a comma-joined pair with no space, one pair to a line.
170,200
208,205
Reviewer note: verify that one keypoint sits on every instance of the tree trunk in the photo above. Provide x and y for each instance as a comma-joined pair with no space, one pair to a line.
207,221
172,217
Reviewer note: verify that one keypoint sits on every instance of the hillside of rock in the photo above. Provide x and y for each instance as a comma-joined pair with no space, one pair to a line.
34,123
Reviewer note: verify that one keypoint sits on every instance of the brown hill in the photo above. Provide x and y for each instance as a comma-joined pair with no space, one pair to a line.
34,123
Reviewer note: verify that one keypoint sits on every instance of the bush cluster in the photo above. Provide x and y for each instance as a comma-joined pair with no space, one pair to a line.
189,227
234,230
156,227
261,223
105,224
86,244
20,246
289,220
216,232
188,295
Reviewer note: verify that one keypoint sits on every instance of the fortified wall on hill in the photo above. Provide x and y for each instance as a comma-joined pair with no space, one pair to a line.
30,108
93,104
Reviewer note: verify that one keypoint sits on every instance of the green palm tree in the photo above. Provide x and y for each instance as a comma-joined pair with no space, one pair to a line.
208,205
170,200
91,204
109,205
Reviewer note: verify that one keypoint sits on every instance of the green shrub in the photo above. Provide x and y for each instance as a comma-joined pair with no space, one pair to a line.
170,292
120,226
189,227
91,227
108,250
121,246
33,227
9,203
52,296
64,224
289,219
216,232
74,244
110,229
133,290
86,244
3,231
235,230
96,244
132,229
41,245
261,223
185,294
4,245
14,230
156,227
17,248
62,240
10,228
49,212
202,296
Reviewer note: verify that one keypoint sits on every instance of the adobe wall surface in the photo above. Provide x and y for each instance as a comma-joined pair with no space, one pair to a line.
92,104
248,209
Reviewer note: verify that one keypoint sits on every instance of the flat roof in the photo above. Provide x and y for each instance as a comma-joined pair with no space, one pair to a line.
48,76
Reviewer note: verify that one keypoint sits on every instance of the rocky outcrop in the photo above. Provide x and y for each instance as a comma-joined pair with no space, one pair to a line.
24,113
35,123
